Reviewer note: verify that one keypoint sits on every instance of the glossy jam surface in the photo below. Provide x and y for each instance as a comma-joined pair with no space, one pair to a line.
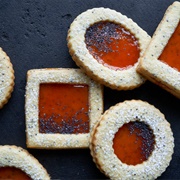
63,108
112,45
12,173
171,52
133,143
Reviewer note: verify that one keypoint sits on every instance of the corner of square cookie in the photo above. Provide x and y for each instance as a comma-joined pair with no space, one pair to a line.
160,63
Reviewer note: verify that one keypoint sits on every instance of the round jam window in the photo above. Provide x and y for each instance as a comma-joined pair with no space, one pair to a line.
13,173
134,143
112,45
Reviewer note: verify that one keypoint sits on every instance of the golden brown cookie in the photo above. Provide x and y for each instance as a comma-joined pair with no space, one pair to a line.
62,106
132,140
17,160
6,78
107,46
160,64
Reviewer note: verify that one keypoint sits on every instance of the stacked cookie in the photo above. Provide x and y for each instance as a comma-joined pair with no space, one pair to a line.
6,78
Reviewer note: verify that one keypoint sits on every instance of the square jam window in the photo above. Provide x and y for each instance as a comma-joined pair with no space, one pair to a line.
63,108
171,53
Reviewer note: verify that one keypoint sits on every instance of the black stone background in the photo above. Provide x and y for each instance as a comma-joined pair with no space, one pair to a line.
33,34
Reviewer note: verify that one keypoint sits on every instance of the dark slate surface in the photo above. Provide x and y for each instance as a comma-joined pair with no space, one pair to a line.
33,34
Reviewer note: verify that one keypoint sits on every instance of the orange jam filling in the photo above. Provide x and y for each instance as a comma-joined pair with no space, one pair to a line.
63,108
171,52
112,45
133,143
13,173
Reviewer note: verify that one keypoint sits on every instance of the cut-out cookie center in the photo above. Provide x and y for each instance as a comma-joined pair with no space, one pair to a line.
63,108
112,45
171,52
134,143
13,173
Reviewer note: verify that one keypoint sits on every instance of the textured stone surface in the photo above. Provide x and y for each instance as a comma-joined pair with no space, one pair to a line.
33,34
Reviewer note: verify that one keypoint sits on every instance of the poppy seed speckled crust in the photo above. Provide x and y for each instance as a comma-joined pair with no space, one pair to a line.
13,156
155,70
116,79
103,134
6,78
34,138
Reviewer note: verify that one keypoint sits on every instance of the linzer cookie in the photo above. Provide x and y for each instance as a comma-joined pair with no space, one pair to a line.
132,140
62,106
6,78
107,46
161,64
17,163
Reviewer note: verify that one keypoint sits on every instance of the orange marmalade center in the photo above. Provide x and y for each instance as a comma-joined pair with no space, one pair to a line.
133,143
171,52
63,108
112,45
13,173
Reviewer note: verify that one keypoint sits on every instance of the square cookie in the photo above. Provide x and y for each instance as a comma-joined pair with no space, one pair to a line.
161,64
61,108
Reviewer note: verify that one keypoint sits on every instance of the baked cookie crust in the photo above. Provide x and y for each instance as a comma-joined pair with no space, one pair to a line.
115,79
6,78
102,141
13,156
57,140
153,69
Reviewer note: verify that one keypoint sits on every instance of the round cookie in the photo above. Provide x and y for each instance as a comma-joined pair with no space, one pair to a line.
6,78
16,157
120,78
103,136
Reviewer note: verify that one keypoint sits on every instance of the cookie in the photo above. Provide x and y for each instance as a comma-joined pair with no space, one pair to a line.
6,78
17,160
132,140
61,108
160,63
107,46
